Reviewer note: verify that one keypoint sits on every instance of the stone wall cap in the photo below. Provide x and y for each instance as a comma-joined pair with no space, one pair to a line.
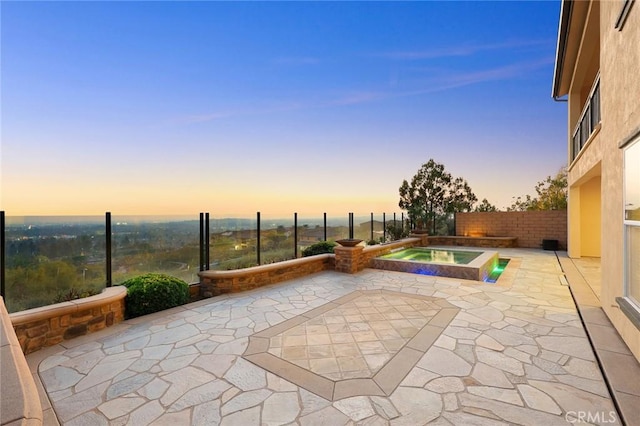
20,402
109,294
265,268
394,244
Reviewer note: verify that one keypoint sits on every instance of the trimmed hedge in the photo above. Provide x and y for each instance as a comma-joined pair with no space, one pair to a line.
154,292
319,248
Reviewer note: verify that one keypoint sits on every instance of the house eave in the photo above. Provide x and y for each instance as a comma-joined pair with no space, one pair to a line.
573,19
559,89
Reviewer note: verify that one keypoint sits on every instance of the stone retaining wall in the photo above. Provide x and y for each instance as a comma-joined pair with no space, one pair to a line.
214,283
50,325
345,259
19,404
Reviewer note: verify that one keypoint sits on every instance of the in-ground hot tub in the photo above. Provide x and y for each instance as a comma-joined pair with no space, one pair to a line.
467,264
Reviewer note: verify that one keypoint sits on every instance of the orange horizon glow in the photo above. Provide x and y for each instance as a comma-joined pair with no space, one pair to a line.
57,203
153,108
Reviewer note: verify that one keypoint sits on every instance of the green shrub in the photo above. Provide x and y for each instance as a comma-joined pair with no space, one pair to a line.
319,248
152,292
397,231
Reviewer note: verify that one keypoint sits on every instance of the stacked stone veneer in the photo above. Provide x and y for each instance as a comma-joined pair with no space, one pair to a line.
345,259
349,259
214,283
530,228
50,325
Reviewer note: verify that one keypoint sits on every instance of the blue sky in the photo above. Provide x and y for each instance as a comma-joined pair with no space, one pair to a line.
237,107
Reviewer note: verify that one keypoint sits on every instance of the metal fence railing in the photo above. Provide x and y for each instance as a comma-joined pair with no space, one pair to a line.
589,119
44,260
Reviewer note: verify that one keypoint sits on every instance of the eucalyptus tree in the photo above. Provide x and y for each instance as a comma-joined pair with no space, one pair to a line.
485,206
433,194
461,197
552,195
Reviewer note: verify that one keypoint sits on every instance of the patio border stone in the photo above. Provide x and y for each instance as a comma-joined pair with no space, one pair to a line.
383,382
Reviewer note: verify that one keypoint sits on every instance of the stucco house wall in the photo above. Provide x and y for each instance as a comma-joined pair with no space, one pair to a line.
591,46
620,97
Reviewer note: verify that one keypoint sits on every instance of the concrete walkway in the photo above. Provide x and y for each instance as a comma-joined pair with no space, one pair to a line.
515,352
620,368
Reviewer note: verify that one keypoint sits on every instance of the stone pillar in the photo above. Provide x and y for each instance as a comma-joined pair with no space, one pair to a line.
423,236
349,259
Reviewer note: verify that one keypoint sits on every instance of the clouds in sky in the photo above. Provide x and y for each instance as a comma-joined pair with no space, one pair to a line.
262,98
423,80
463,49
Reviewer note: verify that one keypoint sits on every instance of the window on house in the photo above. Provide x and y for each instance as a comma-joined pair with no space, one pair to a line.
632,220
633,261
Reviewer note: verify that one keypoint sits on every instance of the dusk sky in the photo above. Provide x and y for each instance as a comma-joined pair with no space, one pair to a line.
238,107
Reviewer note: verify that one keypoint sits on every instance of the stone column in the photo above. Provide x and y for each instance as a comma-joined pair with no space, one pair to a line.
349,259
423,236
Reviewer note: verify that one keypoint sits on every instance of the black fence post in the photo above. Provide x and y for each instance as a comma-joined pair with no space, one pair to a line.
351,226
371,226
258,243
455,231
2,255
201,244
402,221
295,235
108,247
384,227
325,226
207,241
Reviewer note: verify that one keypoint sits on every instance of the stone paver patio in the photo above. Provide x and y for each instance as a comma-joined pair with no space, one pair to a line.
514,352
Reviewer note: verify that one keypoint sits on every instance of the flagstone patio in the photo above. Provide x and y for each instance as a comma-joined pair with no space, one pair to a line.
377,347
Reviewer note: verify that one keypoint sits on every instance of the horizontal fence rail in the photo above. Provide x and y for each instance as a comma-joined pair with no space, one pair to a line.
44,260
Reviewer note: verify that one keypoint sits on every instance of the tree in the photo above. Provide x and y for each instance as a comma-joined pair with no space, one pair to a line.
552,192
461,197
433,194
520,204
552,195
425,197
485,206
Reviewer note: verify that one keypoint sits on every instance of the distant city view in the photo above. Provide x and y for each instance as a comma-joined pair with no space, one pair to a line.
55,258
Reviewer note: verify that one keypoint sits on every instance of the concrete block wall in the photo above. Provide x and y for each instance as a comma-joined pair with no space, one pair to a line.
529,227
493,242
